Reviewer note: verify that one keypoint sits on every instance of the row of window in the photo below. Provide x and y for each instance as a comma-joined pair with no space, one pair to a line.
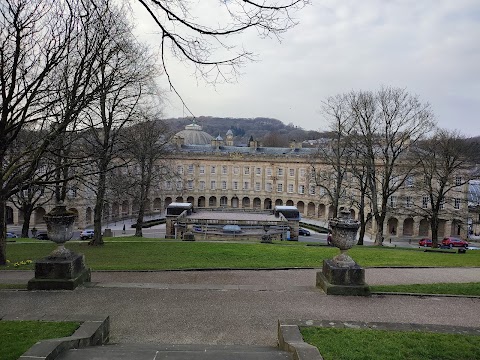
425,202
409,181
236,185
214,169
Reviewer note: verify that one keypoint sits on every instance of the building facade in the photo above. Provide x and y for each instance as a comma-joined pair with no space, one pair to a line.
218,174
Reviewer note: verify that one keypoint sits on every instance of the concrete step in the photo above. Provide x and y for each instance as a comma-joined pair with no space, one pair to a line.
175,352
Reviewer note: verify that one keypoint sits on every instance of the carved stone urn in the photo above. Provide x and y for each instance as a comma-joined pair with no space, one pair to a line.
62,269
342,275
60,229
344,236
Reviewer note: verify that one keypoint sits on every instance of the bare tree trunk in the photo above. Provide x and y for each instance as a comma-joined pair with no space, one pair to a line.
98,210
27,214
379,233
139,225
3,232
434,227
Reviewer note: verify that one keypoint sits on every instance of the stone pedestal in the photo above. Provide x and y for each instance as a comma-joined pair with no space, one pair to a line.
60,273
336,280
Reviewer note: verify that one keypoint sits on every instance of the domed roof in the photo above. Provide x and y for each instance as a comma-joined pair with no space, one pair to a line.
193,135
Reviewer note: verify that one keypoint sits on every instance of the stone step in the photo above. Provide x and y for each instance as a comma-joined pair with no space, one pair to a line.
175,352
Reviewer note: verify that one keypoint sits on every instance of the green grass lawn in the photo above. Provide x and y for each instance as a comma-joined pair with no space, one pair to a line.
18,336
392,345
159,255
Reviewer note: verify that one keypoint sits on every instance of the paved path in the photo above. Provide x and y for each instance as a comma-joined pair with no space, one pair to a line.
234,307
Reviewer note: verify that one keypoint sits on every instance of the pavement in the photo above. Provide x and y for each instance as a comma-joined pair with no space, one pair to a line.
238,307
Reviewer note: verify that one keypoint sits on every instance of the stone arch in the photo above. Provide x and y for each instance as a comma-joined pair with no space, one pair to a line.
9,215
125,208
331,211
88,215
408,227
423,227
75,211
301,207
157,204
223,201
201,202
179,199
191,200
135,206
38,215
257,203
115,210
278,202
106,211
212,201
21,217
246,202
321,211
147,205
441,229
289,203
392,226
234,202
267,204
311,209
456,227
168,201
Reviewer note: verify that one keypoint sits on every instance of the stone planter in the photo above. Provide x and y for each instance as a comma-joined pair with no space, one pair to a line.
344,236
62,269
342,275
60,229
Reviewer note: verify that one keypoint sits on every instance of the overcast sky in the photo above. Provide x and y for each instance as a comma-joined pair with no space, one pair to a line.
429,47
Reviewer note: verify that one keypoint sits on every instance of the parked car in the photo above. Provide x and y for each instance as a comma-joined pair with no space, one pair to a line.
11,235
425,242
42,235
303,232
232,229
454,242
87,234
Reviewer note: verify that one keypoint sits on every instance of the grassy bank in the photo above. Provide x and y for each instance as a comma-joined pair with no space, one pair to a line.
18,336
392,345
159,255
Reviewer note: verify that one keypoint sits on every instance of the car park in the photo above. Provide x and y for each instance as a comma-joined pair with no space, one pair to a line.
87,234
42,235
425,242
11,235
454,242
303,232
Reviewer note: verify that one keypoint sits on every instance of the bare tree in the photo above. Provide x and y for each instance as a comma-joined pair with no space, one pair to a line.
274,139
336,155
444,170
146,147
388,122
208,44
124,79
34,41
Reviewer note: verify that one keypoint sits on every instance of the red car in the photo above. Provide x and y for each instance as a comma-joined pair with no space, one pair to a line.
451,242
425,242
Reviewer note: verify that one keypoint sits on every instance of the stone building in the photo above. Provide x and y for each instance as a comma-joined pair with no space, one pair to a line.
214,173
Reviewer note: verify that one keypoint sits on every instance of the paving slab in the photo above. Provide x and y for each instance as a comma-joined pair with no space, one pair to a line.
234,307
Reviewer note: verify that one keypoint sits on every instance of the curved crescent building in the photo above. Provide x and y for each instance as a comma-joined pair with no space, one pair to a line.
211,172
